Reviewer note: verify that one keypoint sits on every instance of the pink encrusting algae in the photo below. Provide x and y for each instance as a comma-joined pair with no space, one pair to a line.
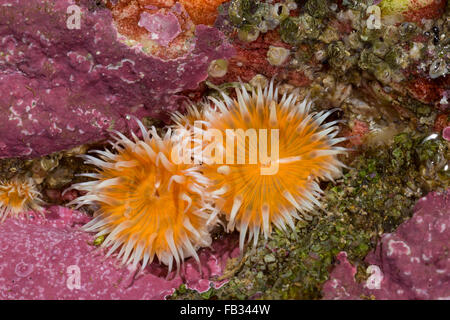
446,133
70,86
49,258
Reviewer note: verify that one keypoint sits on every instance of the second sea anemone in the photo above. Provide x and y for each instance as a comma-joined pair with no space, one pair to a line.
255,188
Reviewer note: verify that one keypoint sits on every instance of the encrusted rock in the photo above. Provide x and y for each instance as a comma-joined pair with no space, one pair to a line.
69,86
411,263
48,258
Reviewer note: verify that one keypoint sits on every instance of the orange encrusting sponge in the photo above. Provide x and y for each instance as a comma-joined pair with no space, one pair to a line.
202,11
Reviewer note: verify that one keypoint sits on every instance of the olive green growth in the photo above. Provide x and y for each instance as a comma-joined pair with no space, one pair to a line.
372,198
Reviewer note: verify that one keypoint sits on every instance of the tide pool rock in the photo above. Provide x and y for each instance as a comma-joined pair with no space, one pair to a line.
51,258
63,86
411,263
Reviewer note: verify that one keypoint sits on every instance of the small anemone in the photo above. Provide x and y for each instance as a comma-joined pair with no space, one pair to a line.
17,196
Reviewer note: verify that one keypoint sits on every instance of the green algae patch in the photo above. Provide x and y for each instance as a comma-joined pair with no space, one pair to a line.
389,7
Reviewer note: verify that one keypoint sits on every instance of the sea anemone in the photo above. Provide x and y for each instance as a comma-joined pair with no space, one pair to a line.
148,204
18,196
284,184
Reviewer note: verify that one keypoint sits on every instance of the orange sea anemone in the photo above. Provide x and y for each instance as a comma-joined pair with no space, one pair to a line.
148,205
257,189
17,196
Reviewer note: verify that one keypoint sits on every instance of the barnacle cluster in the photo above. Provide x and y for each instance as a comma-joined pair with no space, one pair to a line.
153,200
255,17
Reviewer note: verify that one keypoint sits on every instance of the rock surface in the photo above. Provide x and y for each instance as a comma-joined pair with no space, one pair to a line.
412,263
67,86
50,258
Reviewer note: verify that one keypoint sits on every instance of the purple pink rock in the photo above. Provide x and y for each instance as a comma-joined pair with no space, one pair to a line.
51,258
446,133
64,87
411,263
163,28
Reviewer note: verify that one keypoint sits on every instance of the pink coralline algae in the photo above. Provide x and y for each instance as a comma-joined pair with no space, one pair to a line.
446,133
62,87
163,28
50,258
411,263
